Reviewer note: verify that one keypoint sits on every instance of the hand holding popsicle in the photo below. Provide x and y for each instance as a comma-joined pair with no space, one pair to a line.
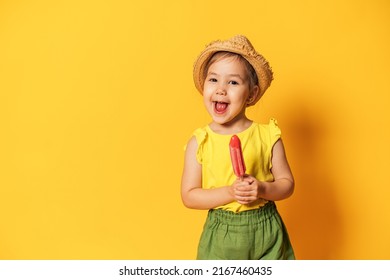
237,157
243,191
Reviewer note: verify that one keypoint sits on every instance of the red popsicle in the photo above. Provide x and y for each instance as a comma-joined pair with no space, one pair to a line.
237,157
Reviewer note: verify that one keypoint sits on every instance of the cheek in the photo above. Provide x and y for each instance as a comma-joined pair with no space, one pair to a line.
207,92
206,97
240,96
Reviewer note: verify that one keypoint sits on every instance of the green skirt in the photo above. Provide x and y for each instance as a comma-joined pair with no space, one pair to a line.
258,234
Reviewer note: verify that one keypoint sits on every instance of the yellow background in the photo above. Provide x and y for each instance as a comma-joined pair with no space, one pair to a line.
97,102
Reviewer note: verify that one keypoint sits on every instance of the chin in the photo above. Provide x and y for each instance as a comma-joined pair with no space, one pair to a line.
221,120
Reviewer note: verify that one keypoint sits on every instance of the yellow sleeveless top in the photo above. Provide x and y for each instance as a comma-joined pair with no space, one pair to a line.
213,154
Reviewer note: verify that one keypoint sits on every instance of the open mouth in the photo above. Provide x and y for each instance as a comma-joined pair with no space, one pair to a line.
220,107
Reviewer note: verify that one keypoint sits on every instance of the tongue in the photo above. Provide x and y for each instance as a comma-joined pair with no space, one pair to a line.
220,107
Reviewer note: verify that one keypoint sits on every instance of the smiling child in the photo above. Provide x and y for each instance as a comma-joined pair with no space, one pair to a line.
243,221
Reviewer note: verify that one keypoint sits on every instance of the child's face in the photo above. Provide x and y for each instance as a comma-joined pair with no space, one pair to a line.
226,90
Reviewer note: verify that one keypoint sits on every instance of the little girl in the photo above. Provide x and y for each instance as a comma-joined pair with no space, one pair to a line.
242,221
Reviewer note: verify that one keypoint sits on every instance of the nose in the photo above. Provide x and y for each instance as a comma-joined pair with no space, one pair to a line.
221,91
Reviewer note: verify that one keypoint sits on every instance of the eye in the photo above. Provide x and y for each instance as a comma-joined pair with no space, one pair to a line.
233,83
213,80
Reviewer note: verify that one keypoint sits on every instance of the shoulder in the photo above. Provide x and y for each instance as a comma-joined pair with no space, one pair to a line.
200,134
272,124
267,133
195,144
270,129
192,143
197,137
274,130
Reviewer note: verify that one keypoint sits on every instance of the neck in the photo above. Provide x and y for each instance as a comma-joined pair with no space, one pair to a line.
232,127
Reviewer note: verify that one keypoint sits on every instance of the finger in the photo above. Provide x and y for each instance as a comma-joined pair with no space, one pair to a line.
242,194
249,179
244,201
245,188
251,193
242,183
245,198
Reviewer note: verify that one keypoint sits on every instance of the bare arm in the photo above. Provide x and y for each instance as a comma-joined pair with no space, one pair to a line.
283,185
281,188
192,193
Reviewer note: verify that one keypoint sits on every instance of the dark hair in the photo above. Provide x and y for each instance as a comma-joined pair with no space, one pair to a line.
253,79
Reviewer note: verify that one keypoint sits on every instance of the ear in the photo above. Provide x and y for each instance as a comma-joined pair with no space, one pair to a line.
254,95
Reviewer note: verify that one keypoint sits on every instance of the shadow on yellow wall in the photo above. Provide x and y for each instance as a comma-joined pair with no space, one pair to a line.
314,213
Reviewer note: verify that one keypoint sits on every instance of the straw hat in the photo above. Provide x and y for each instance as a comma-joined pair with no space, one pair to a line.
238,44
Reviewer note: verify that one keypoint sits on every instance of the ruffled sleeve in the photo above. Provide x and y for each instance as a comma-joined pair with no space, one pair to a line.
201,136
274,136
274,131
